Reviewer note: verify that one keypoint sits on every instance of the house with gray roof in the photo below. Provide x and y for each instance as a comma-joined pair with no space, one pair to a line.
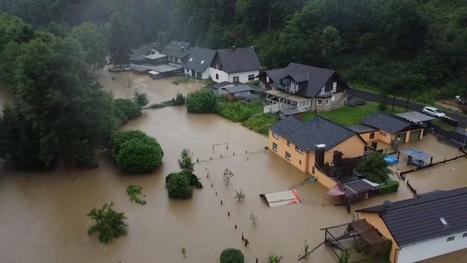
147,54
198,62
393,129
299,88
177,51
423,227
237,65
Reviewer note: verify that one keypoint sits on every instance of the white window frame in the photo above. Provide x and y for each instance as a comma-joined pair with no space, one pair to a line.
274,146
251,77
334,86
288,156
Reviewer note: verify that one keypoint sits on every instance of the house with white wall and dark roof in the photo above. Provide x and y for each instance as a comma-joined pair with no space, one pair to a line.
177,51
237,65
198,62
423,227
300,88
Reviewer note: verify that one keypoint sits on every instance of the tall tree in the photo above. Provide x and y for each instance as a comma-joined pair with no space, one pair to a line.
119,39
93,39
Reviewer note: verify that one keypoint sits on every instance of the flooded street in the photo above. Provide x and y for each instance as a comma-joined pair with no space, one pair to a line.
44,215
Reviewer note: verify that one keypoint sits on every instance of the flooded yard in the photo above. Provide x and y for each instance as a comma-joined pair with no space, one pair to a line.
44,215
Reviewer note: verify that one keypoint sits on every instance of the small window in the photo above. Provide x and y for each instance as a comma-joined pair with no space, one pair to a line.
320,102
251,77
327,102
298,149
288,156
464,235
372,135
236,79
274,147
300,162
451,238
217,76
334,86
288,143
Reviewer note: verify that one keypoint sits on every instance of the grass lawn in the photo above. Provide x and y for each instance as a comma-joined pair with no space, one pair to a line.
443,125
260,123
352,115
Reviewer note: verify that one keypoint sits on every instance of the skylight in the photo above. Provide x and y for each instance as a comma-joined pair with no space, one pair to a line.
443,221
191,59
202,61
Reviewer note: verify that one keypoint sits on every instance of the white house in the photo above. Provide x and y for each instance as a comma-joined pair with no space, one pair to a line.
177,51
240,65
198,63
423,227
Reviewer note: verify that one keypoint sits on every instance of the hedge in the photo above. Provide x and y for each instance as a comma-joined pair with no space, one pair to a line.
389,186
178,186
202,101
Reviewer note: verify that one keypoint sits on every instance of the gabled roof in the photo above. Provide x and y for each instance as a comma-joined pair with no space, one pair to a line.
388,123
360,128
141,52
178,49
418,219
199,59
306,135
315,78
236,60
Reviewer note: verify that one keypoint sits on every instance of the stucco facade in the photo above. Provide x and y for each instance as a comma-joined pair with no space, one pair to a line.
220,76
305,160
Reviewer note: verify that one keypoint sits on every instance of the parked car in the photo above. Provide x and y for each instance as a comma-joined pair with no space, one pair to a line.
434,112
461,100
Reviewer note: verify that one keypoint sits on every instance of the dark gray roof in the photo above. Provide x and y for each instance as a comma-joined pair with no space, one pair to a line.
360,128
314,77
141,52
178,49
418,219
306,135
236,60
199,59
237,88
415,117
387,123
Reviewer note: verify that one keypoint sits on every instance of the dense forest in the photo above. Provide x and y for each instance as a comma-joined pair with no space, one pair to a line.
50,51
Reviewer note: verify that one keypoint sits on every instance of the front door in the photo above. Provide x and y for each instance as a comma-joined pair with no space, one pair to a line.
193,73
198,75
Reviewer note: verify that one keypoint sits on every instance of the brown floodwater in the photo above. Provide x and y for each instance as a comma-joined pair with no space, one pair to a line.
43,216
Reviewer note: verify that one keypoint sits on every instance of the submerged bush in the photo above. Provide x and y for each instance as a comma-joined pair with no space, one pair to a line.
108,223
136,153
202,101
178,186
125,110
390,186
232,255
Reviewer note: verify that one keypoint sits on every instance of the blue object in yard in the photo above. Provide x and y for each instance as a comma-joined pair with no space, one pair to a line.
391,160
417,157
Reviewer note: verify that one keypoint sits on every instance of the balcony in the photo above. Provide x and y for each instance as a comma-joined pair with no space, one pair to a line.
325,95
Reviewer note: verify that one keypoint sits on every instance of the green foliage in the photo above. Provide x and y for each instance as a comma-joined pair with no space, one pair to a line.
375,168
202,101
108,223
125,110
261,123
238,111
59,109
389,186
345,256
232,255
141,99
137,154
135,192
239,195
93,40
275,259
185,162
178,186
178,100
119,39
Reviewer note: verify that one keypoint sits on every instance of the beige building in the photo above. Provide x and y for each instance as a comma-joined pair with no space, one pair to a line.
310,145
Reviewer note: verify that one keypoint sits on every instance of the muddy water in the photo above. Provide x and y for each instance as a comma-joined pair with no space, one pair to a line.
44,215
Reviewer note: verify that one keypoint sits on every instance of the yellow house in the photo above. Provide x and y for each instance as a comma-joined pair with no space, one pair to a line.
423,227
392,128
309,145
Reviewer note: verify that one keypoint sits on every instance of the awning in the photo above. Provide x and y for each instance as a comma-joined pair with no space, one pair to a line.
335,191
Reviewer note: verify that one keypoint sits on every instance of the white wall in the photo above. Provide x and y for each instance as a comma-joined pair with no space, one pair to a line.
431,248
204,75
224,77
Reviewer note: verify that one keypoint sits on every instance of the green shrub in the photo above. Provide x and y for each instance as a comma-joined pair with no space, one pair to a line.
232,255
389,186
137,153
202,101
135,192
260,123
125,110
239,110
375,168
178,100
141,99
108,223
178,186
